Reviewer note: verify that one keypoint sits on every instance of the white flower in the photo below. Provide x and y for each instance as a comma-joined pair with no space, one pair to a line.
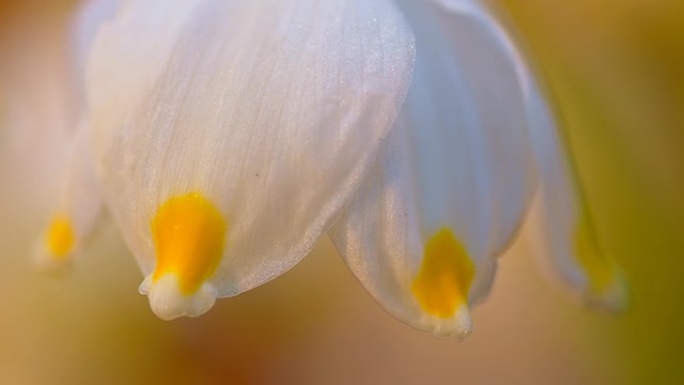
226,137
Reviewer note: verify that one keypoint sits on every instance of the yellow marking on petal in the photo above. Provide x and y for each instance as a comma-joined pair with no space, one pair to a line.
599,268
189,233
444,279
60,238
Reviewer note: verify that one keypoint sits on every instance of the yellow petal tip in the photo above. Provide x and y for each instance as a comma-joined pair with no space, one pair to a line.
60,237
56,247
442,286
188,232
443,282
605,285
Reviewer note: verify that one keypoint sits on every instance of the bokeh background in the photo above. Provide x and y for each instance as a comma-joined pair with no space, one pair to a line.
616,69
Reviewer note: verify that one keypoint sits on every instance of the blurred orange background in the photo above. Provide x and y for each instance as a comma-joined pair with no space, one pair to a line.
616,69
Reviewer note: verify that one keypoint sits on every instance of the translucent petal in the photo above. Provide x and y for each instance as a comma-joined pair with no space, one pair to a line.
128,57
566,222
46,162
86,22
79,202
239,126
76,209
450,186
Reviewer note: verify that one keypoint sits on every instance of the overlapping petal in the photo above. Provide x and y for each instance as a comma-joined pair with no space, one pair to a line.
565,221
41,154
225,137
450,186
73,191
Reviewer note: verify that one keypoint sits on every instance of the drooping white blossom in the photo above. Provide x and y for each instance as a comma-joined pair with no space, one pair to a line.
226,137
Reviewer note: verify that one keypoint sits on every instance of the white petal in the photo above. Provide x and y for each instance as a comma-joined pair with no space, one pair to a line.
79,202
46,160
456,174
129,55
573,244
262,115
87,20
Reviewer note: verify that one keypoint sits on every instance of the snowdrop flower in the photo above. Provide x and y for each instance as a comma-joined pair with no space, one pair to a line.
226,137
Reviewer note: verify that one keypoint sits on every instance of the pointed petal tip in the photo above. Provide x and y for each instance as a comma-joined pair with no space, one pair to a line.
168,302
47,262
614,298
56,248
460,325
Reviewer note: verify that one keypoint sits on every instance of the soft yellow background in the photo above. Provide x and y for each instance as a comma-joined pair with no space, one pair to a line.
617,71
617,68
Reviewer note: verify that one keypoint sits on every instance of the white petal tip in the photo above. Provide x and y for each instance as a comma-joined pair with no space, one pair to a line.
460,325
48,262
616,297
168,302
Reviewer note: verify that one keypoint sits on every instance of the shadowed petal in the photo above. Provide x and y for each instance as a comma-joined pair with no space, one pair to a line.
450,187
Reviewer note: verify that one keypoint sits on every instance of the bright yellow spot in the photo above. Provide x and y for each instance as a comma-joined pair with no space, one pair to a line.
599,269
189,233
60,237
444,279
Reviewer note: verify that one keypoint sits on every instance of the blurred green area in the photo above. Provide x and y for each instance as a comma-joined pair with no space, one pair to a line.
617,70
